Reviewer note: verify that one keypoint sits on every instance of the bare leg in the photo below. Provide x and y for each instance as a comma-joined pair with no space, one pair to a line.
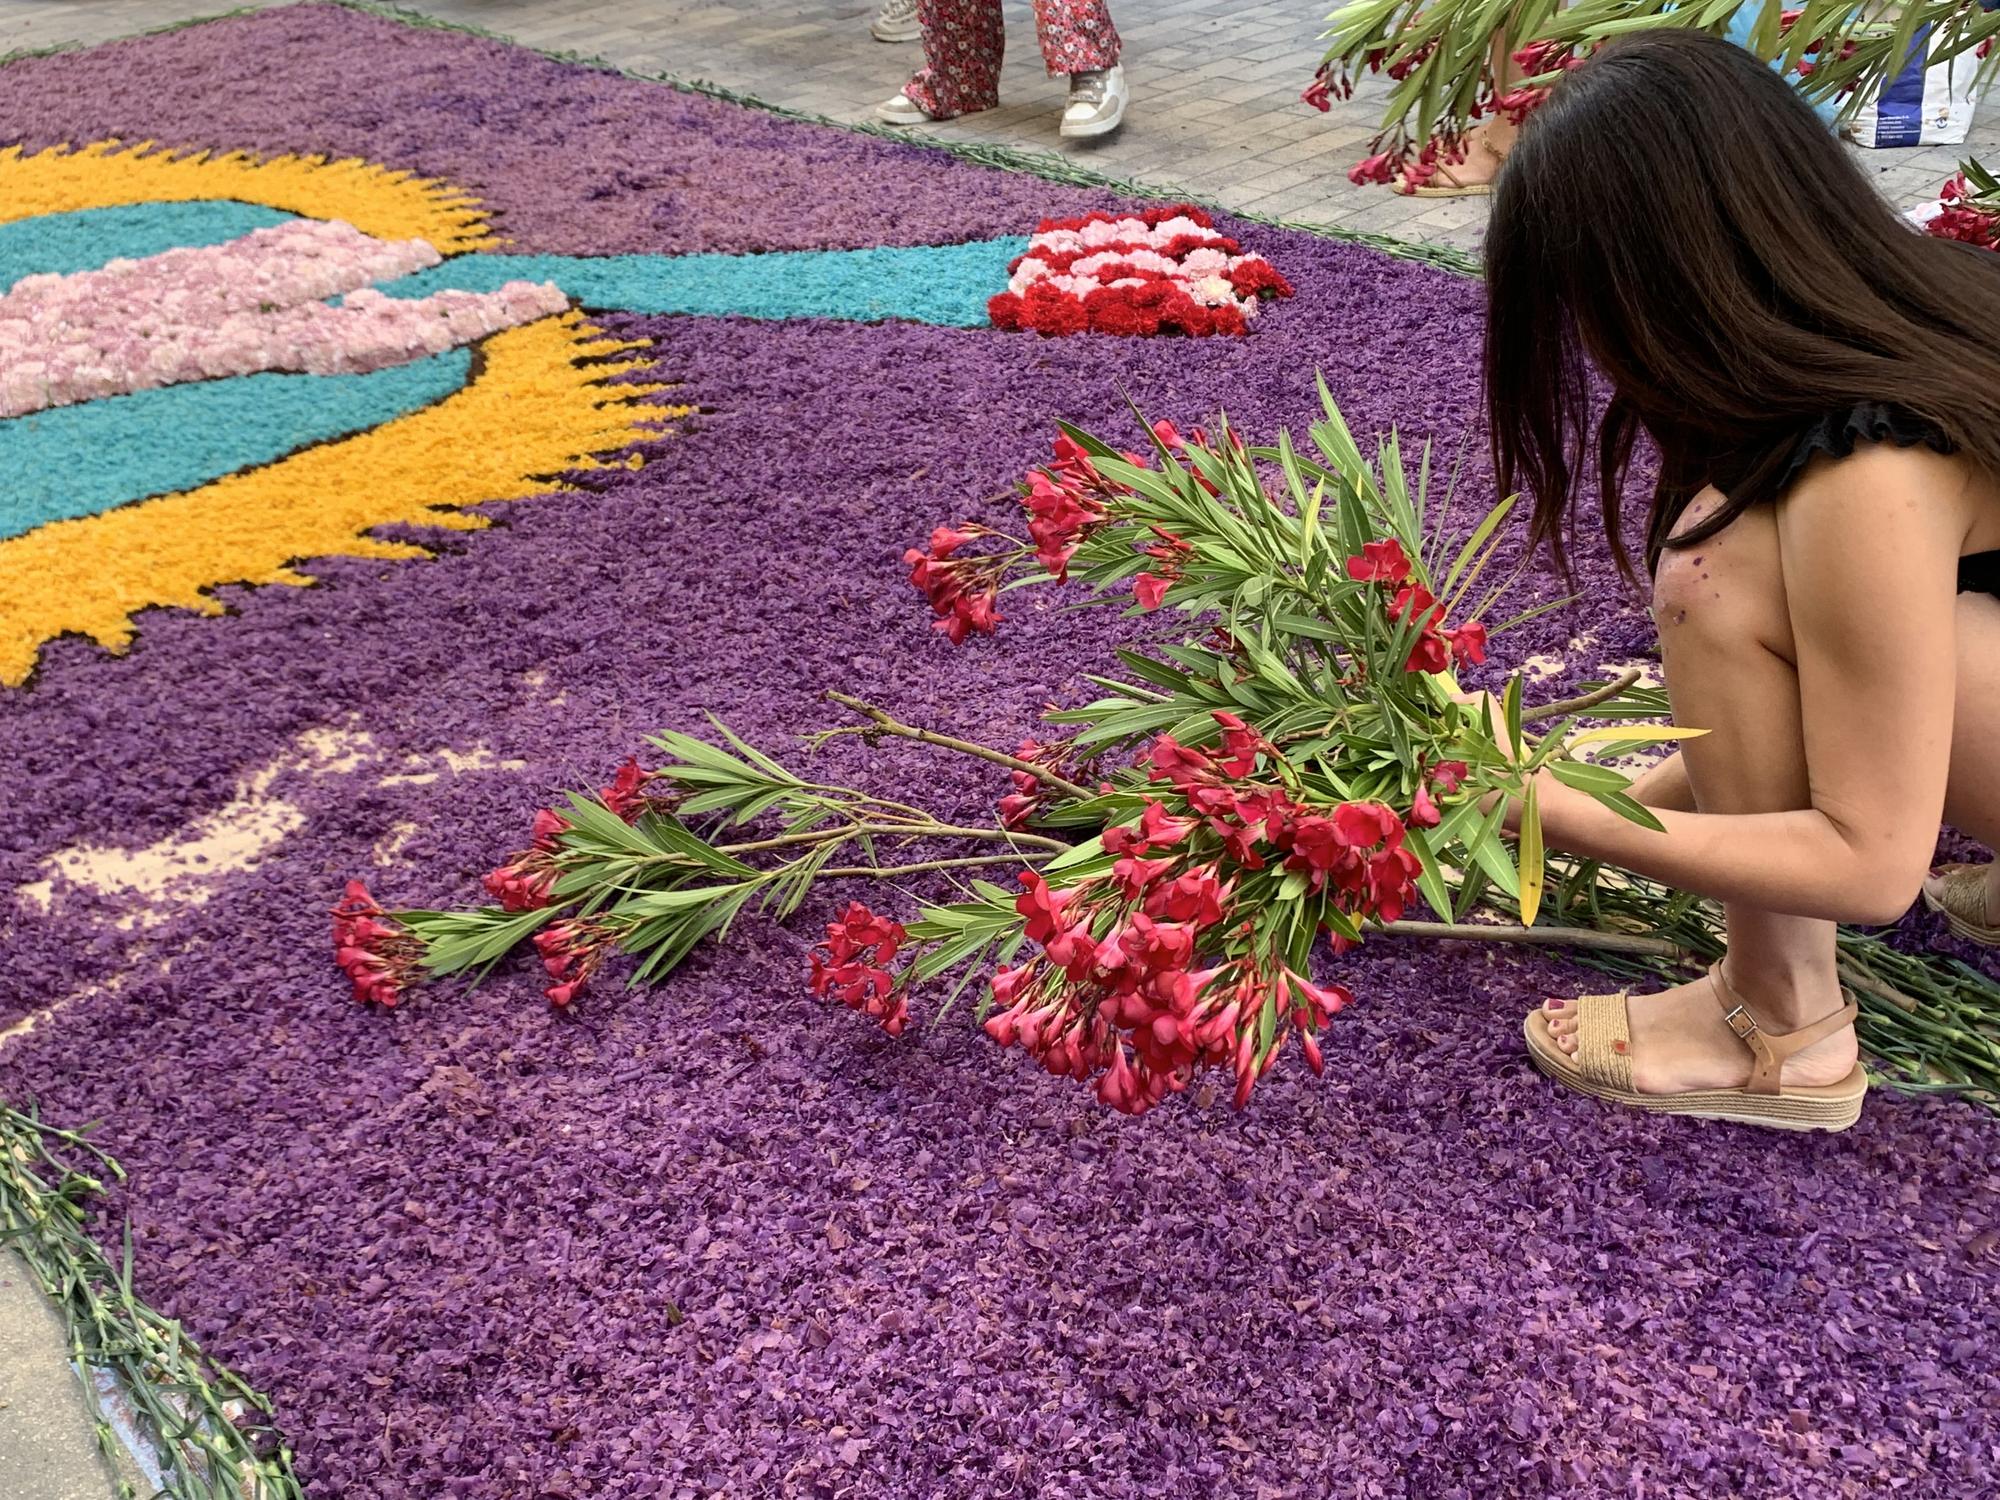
1726,639
1488,142
1665,785
1972,801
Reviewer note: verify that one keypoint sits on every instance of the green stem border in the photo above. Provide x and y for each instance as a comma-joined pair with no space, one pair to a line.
208,1429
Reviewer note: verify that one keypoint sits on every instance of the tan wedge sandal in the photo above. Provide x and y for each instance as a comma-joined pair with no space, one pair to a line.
1959,891
1447,184
1602,1066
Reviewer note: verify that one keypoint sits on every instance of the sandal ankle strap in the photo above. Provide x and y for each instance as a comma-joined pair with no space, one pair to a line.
1771,1048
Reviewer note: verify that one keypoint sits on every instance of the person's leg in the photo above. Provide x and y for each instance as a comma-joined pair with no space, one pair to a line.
1078,40
964,41
1077,36
1485,145
896,21
1664,786
1726,639
1972,801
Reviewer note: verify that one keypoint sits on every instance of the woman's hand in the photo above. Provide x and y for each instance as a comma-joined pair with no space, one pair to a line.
1485,709
1486,705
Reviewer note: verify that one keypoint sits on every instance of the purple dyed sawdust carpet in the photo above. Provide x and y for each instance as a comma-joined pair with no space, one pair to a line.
713,1237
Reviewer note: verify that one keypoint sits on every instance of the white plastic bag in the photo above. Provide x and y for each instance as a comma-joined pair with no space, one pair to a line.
1920,106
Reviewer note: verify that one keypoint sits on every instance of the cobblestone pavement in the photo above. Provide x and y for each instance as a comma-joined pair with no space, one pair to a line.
1215,86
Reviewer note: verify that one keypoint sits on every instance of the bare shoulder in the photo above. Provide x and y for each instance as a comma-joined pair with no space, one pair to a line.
1884,475
1914,495
1705,503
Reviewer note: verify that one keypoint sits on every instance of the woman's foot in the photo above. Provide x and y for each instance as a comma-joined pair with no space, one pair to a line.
1472,173
1681,1041
1096,103
903,110
896,21
1969,897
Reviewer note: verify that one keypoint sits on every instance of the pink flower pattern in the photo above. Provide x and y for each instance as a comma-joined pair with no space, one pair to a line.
964,41
252,304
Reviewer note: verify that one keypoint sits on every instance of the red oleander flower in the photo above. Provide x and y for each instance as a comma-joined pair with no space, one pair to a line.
1072,464
1016,809
522,885
1063,506
1019,807
1960,218
961,591
1157,830
1041,907
1172,761
1447,776
375,951
946,540
571,952
1468,643
1380,562
625,796
1362,825
1379,169
1414,601
1518,103
548,827
1197,897
1428,654
851,966
1169,436
1423,811
1131,1010
1241,745
1170,552
1134,874
1392,881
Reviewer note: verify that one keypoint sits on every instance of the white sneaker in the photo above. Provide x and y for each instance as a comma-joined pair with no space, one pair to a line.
896,21
902,110
1096,102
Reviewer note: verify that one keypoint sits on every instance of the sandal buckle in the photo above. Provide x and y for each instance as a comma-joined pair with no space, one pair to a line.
1739,1020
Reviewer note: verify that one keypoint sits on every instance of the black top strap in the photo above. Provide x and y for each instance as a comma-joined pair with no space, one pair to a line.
1838,434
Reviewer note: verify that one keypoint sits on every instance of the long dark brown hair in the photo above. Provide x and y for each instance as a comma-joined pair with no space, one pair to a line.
1677,217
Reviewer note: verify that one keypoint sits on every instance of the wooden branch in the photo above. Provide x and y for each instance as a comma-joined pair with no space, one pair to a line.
887,725
1563,706
1544,937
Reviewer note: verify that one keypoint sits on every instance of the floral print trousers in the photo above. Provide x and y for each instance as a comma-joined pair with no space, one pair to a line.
964,41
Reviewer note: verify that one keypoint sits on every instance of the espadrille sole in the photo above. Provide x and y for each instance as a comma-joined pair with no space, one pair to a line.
1451,190
1830,1107
1971,932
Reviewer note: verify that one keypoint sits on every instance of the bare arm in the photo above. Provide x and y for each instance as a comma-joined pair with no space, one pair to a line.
1870,550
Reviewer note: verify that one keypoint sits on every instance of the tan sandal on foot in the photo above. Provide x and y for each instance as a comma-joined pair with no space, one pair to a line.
1446,185
1602,1066
1959,892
